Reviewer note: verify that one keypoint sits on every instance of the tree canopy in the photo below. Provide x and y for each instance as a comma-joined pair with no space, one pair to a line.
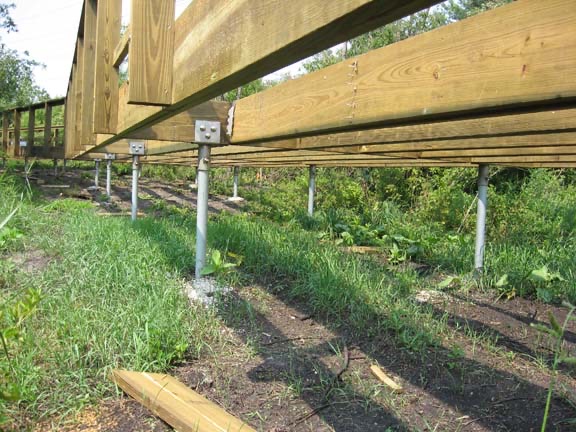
17,85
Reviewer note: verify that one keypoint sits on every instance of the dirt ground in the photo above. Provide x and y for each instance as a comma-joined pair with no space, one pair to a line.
283,369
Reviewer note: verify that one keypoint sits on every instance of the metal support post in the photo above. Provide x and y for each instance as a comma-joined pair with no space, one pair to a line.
109,178
236,177
135,163
311,189
483,172
202,208
64,163
96,172
55,161
136,149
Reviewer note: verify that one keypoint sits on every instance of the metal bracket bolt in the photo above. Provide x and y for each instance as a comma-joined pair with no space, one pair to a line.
137,148
207,132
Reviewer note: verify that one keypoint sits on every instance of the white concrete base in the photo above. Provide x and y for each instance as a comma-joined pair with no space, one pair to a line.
235,199
205,290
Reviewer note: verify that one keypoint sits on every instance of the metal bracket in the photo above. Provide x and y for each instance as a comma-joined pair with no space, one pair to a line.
207,132
23,144
137,148
109,156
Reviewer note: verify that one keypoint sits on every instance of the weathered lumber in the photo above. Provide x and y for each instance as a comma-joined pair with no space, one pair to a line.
515,55
460,131
242,40
5,121
88,79
176,404
30,135
150,63
122,48
47,125
106,75
381,375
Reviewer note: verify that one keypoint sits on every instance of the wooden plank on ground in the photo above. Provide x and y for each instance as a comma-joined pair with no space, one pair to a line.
516,55
176,404
150,62
106,75
222,44
381,375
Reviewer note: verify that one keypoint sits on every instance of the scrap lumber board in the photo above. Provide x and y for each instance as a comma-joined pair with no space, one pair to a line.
379,373
179,406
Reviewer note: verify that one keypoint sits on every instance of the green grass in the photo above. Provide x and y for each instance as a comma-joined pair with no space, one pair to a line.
112,297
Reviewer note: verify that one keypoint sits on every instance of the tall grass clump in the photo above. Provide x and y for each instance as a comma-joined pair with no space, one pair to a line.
112,297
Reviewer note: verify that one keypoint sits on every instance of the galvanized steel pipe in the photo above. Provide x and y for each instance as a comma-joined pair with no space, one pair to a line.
311,189
202,208
135,164
483,171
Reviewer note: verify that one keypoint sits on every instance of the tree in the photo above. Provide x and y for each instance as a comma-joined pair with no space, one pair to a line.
17,86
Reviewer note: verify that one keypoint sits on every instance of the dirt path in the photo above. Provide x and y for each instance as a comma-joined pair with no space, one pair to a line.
282,369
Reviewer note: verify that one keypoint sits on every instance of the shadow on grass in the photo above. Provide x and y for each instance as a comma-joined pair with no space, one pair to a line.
358,302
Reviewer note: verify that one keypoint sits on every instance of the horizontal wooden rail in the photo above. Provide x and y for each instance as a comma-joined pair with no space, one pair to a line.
515,55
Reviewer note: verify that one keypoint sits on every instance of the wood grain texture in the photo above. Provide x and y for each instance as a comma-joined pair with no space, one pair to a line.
47,125
514,55
79,91
88,78
122,49
31,131
459,130
242,40
16,119
176,404
5,121
150,62
106,75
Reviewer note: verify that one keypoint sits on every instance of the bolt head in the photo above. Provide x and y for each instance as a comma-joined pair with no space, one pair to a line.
202,128
208,136
213,128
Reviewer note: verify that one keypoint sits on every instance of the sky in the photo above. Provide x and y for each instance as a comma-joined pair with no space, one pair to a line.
47,29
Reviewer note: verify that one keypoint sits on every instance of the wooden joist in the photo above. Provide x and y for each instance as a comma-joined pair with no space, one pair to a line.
106,85
223,44
150,62
176,404
515,55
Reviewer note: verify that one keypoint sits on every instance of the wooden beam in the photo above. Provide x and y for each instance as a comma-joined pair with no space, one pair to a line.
88,79
459,130
122,48
512,56
30,135
77,98
106,75
150,63
5,121
17,118
47,125
176,404
242,40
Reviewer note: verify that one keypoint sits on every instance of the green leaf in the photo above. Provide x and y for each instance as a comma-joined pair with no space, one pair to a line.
208,270
569,361
554,324
543,329
503,281
541,274
447,282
